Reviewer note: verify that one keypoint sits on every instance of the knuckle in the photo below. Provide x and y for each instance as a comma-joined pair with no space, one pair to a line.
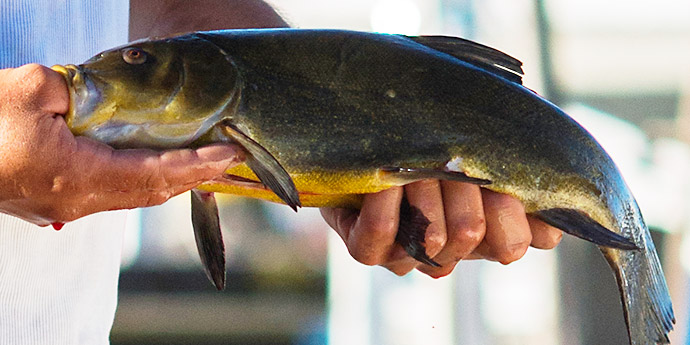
555,238
156,198
440,273
32,69
365,256
152,179
446,268
400,268
377,228
425,185
400,271
548,238
471,234
512,253
36,74
366,240
435,241
377,224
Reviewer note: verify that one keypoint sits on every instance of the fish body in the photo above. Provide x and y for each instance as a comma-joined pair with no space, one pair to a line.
329,115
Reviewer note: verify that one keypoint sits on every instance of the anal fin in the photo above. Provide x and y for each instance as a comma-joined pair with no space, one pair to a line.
209,239
412,174
577,223
412,232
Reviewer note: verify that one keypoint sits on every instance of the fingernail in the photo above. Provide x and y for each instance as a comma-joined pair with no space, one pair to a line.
57,226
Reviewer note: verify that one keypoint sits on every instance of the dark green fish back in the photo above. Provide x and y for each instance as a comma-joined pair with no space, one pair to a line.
332,101
386,100
389,102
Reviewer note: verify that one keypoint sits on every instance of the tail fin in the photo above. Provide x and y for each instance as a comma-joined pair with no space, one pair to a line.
646,300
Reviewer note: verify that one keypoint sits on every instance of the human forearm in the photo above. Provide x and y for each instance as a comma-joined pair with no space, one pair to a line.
161,18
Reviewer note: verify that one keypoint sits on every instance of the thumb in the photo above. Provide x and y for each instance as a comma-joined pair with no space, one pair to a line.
220,157
170,172
182,167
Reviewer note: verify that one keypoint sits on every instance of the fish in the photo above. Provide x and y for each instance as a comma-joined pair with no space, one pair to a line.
327,116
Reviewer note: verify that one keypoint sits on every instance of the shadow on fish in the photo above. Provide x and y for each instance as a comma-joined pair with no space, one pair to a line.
325,116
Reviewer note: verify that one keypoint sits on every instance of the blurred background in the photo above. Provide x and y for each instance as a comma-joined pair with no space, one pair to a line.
619,67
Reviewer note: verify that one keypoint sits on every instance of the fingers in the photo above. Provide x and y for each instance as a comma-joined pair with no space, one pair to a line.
370,233
161,171
58,177
99,178
178,169
544,236
340,219
48,89
425,196
465,224
508,233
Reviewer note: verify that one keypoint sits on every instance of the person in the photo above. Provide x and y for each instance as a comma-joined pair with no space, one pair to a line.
61,287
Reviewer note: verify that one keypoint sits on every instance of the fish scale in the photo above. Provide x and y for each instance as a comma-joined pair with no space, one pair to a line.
328,115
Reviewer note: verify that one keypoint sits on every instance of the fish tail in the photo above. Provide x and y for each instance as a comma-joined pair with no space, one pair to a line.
644,294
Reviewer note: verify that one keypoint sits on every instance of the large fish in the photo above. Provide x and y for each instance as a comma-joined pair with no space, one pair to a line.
325,116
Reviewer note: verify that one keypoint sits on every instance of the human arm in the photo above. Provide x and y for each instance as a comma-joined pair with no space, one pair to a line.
466,221
47,175
149,18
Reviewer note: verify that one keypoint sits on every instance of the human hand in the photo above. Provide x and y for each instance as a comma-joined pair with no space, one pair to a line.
467,222
47,175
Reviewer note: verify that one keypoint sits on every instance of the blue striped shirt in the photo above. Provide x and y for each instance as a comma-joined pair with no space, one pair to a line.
59,287
59,31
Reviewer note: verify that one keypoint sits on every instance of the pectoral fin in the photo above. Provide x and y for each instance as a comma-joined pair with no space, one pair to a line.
209,239
412,232
266,167
581,225
413,174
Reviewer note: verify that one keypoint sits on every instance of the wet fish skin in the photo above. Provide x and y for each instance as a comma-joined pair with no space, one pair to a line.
340,111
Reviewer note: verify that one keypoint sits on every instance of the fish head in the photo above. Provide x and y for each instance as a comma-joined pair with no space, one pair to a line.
161,93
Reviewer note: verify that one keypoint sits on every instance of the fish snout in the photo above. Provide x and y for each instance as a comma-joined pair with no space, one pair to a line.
68,72
84,97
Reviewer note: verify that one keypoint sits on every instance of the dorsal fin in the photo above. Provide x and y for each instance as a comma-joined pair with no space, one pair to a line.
479,55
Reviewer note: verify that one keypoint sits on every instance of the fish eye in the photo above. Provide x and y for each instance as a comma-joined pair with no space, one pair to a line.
134,56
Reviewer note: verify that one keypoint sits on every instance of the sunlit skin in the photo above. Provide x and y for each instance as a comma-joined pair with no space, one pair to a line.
323,115
460,230
49,176
77,169
469,218
505,254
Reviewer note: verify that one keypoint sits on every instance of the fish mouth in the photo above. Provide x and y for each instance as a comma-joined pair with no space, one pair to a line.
68,72
84,96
